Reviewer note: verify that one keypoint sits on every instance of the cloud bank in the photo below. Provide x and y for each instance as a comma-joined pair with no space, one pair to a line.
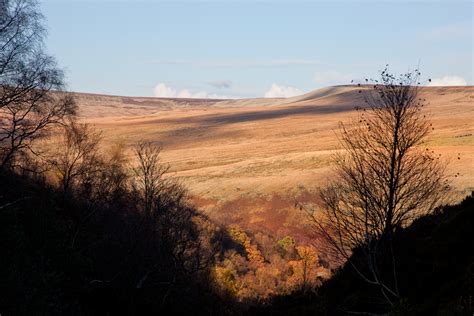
448,81
277,91
161,90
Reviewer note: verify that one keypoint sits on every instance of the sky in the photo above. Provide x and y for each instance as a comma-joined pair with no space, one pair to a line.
244,49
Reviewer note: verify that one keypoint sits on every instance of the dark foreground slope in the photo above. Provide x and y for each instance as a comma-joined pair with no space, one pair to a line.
435,268
96,254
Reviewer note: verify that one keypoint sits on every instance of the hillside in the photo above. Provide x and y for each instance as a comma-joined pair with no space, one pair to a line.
435,260
55,262
250,250
246,161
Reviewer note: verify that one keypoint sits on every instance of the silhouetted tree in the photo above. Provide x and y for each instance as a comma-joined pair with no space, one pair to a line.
384,179
149,172
77,155
165,206
27,78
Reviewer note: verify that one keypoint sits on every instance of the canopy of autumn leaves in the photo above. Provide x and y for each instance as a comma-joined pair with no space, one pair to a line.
253,270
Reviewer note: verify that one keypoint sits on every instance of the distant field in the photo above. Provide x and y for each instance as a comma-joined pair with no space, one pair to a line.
247,161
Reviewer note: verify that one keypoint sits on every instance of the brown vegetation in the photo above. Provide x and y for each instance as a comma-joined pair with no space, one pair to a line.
241,154
245,162
89,226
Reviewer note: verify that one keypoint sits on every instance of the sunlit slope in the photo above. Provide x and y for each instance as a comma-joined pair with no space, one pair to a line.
246,161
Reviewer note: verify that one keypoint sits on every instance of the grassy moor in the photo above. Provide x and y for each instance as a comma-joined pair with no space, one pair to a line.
236,157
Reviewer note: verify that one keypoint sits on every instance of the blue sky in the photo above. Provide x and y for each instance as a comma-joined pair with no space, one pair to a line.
254,48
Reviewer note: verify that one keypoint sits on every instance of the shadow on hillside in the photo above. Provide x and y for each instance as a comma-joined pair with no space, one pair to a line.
213,126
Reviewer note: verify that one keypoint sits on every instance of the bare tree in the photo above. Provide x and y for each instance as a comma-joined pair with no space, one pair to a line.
384,179
27,78
171,226
149,174
77,155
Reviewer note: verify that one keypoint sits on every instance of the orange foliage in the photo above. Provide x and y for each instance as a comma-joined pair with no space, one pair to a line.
304,270
251,250
284,268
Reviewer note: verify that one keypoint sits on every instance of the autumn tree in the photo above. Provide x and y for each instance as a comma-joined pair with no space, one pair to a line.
28,77
384,179
305,268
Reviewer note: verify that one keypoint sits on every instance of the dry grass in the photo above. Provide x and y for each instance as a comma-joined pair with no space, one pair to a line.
246,160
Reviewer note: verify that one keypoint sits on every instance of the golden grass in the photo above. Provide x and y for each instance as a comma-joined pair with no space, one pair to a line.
251,158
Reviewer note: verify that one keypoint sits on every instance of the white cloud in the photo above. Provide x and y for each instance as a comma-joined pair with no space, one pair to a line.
277,91
448,81
332,78
163,91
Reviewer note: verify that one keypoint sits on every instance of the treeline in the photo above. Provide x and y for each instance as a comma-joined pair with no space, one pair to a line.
100,244
88,231
95,250
81,233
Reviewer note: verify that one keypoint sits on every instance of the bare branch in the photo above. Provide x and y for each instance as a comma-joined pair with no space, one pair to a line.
384,179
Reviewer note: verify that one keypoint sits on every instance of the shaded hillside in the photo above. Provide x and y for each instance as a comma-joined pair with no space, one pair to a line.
436,273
